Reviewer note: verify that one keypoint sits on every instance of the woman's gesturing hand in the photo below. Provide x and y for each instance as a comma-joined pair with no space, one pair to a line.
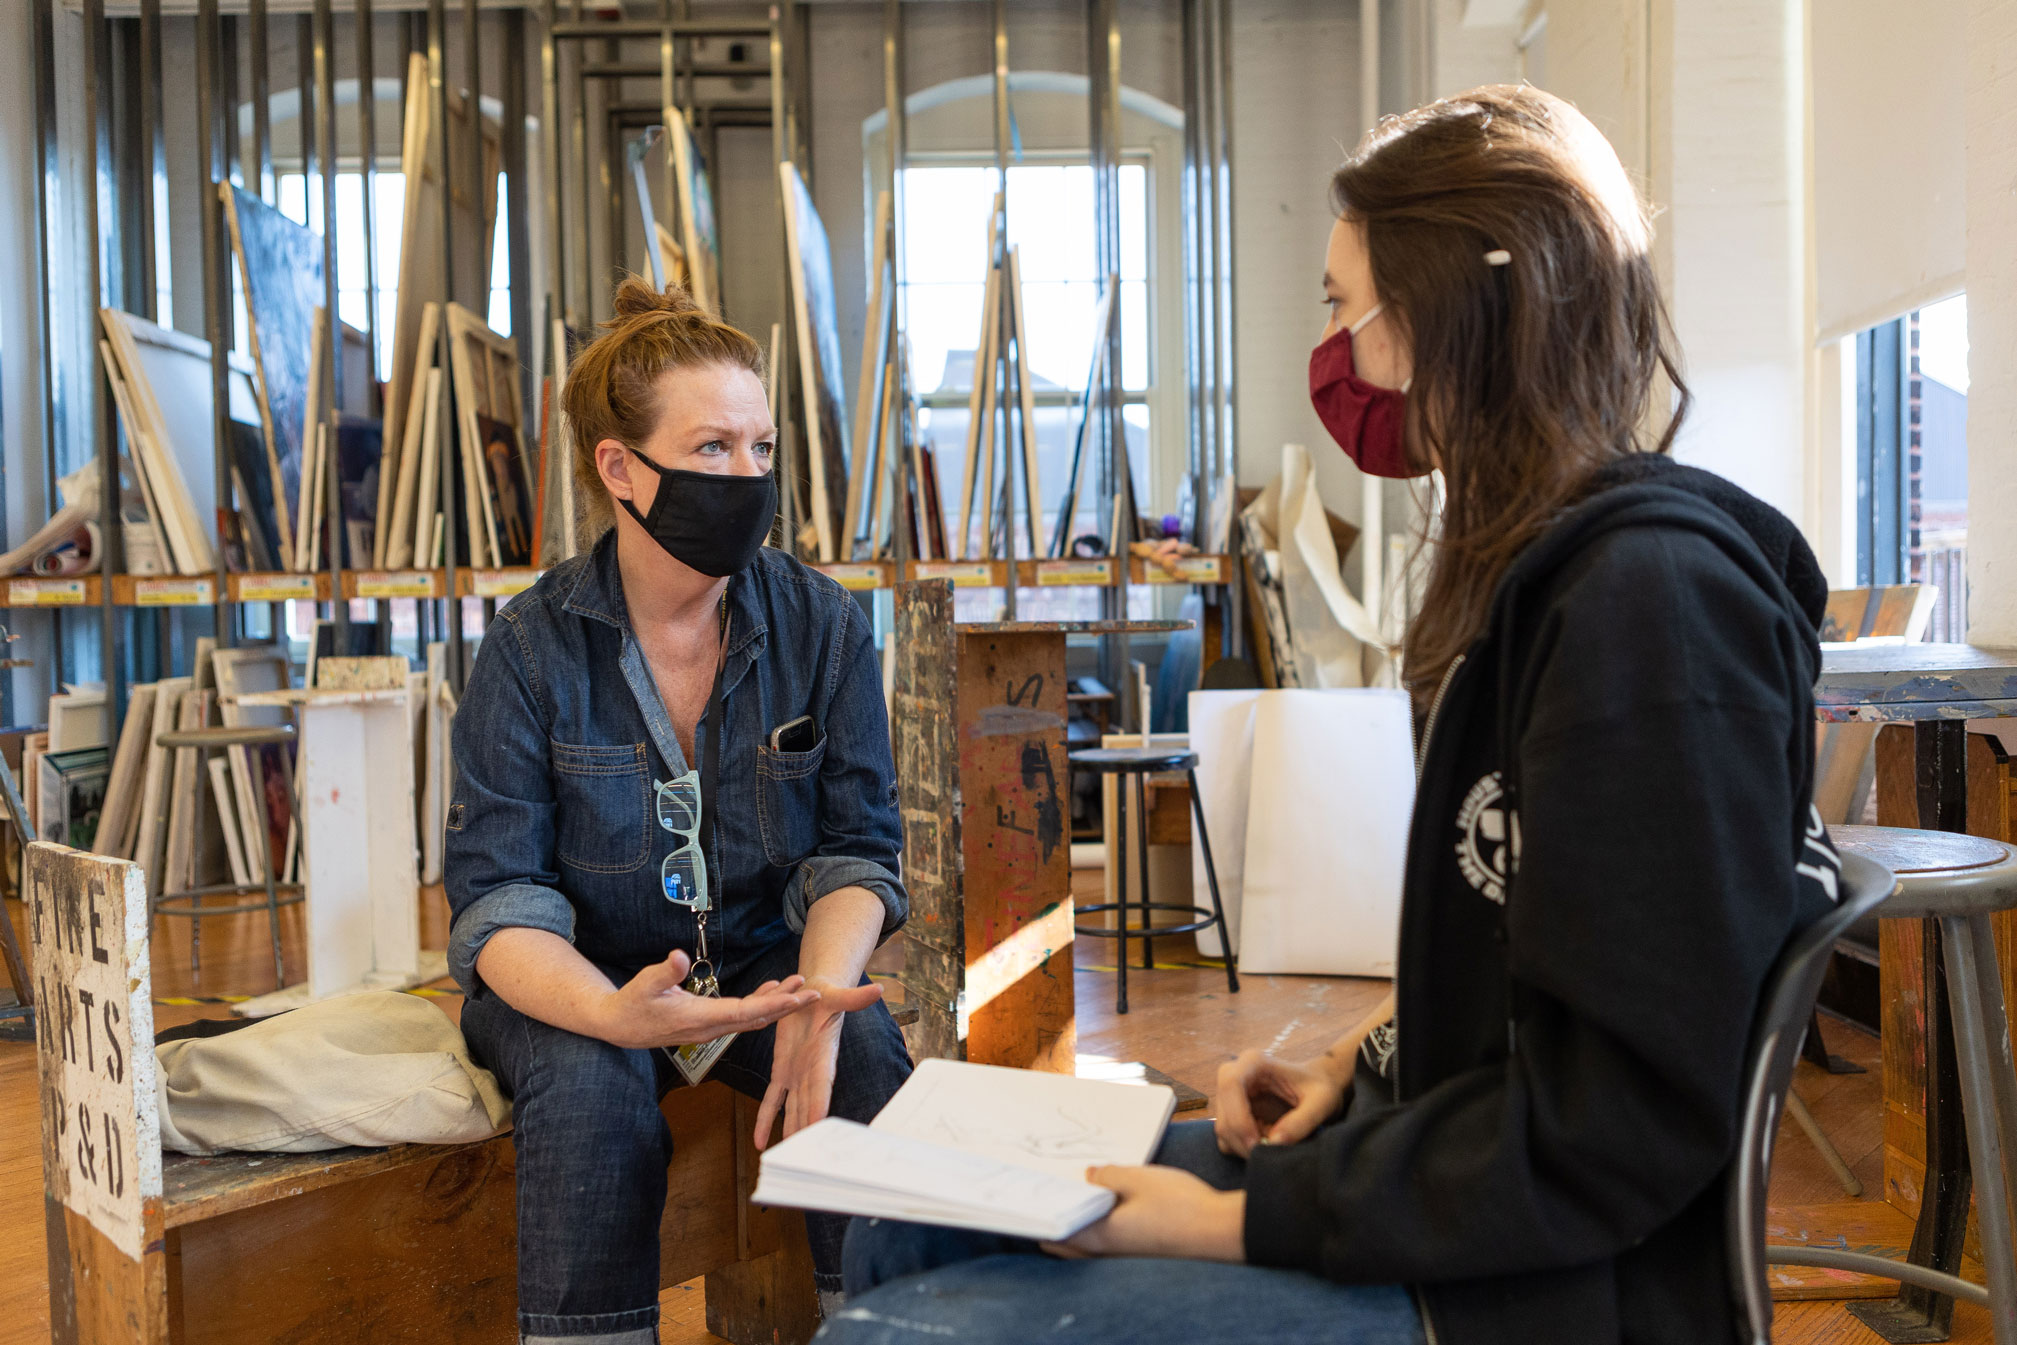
652,1010
802,1058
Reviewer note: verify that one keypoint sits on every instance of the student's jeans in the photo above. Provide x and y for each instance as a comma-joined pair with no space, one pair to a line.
908,1282
593,1148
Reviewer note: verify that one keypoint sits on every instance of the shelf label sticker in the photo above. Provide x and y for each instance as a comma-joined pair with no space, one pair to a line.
502,583
1189,570
173,593
395,584
1075,573
276,588
963,573
45,592
858,576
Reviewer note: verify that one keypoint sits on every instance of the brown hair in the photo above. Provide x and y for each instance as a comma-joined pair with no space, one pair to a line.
1529,375
612,385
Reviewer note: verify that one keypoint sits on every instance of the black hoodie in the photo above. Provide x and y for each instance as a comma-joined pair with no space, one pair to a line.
1613,838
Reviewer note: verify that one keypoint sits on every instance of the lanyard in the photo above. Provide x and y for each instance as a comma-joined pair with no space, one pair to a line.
710,731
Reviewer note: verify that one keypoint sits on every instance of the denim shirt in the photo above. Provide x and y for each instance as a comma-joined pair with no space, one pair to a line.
561,734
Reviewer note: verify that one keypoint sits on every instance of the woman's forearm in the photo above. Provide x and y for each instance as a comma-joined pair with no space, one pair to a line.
542,976
1342,1056
841,929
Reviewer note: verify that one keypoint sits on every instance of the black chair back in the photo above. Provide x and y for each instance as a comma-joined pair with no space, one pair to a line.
1783,1013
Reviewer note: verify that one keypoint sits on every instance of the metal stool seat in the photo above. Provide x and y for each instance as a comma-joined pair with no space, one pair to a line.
188,902
1140,763
1959,881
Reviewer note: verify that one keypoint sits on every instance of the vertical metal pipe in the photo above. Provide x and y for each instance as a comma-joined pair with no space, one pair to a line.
587,304
262,110
437,79
518,233
549,143
1194,196
787,443
227,96
1227,273
1372,497
668,92
895,137
104,437
367,144
151,153
55,394
332,365
478,293
216,283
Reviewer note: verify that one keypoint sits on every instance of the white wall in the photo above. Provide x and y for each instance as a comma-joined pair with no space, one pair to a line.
1992,320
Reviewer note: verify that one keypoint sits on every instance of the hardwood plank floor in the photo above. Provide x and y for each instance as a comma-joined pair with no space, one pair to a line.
1183,1022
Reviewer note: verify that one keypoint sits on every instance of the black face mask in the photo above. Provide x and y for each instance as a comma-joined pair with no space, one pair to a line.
712,522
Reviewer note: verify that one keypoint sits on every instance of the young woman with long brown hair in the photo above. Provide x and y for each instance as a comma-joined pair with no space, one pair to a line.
1612,836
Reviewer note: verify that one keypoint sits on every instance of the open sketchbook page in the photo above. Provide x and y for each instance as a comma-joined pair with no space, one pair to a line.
1052,1123
848,1168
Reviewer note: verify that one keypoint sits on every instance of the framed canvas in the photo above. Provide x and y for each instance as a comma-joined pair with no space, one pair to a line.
504,480
421,281
810,263
281,266
485,369
700,239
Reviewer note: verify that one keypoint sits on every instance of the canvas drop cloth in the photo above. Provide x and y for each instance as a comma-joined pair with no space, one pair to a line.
1334,641
1307,796
369,1069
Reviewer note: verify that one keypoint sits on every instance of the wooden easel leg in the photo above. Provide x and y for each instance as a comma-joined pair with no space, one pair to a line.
768,1300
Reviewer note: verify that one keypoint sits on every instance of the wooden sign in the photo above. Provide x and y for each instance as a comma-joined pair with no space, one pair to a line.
101,1147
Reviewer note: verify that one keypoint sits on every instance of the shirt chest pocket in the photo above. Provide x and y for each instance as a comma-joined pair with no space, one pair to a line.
602,807
787,801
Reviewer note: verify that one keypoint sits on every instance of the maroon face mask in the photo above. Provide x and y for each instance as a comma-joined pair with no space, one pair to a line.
1365,419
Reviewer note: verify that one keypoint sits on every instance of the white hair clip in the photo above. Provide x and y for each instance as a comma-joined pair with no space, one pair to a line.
1498,257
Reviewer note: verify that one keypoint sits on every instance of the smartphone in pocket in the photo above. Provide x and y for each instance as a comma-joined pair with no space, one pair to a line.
797,736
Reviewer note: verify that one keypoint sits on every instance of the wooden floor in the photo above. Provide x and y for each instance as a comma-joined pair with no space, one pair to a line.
1184,1023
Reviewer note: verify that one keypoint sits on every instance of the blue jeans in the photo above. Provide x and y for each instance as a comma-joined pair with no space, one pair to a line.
593,1148
908,1282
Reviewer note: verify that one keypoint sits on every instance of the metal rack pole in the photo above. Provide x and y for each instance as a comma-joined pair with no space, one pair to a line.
1222,212
518,236
332,366
210,114
55,395
999,369
549,144
895,137
367,143
104,433
262,112
437,77
787,444
152,154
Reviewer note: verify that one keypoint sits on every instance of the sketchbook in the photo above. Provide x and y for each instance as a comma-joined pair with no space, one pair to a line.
974,1146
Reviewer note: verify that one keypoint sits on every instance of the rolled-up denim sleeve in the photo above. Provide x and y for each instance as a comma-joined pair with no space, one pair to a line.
861,831
498,857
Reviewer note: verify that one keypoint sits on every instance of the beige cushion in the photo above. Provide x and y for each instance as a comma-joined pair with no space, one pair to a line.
372,1069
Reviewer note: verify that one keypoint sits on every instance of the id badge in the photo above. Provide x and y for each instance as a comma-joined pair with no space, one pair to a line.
695,1059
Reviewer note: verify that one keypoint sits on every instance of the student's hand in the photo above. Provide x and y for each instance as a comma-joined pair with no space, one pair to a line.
802,1058
1162,1212
1263,1100
651,1009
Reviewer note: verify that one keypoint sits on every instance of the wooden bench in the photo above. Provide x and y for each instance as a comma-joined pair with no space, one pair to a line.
411,1243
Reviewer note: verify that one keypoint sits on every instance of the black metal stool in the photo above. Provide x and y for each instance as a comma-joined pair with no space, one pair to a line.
189,901
1140,763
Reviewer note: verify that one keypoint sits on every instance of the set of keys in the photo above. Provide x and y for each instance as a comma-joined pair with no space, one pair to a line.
697,1058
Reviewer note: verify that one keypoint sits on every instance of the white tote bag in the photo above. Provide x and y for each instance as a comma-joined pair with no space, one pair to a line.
1313,880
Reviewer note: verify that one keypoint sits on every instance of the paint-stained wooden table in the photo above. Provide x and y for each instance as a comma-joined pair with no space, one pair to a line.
978,727
1937,689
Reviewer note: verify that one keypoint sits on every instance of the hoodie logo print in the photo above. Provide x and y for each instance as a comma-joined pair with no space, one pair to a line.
1488,839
